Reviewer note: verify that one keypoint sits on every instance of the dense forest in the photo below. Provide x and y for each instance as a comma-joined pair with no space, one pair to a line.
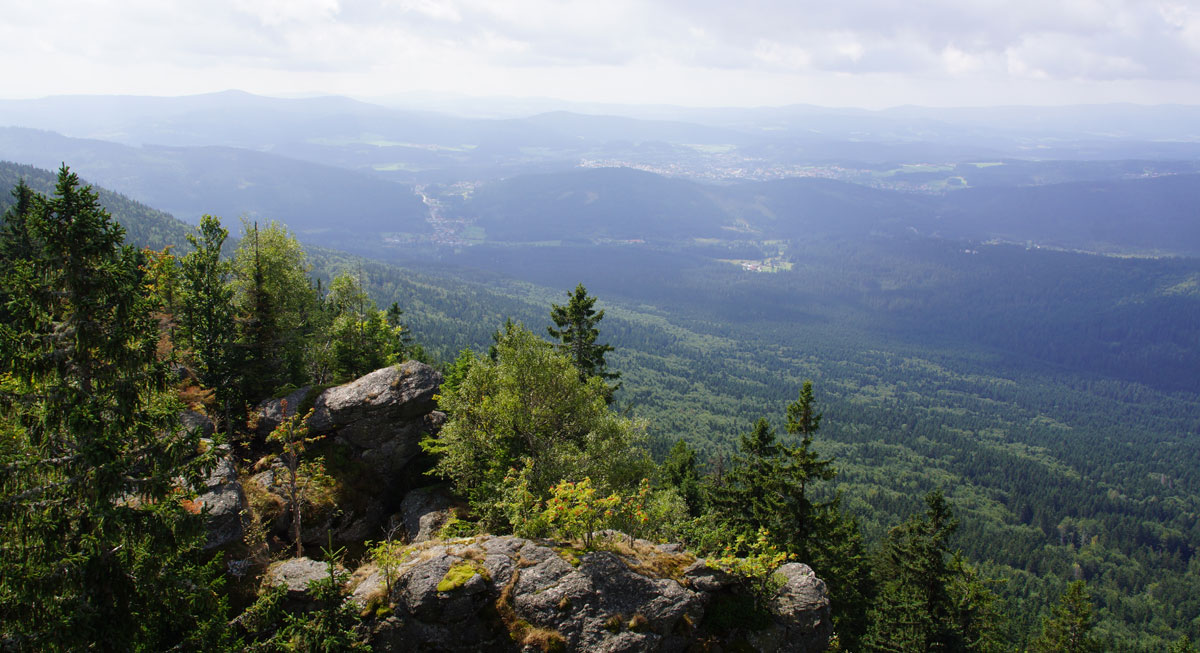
952,496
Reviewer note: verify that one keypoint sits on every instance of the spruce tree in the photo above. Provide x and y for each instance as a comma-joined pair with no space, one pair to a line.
750,495
15,243
1069,627
277,308
679,471
576,332
928,599
96,548
206,314
801,467
769,486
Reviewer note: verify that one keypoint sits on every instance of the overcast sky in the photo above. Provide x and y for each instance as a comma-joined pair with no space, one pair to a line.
870,53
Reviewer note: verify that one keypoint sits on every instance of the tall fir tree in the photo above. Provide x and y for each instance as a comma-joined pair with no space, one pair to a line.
15,243
259,338
206,314
928,599
96,548
277,306
1068,629
575,329
769,485
363,338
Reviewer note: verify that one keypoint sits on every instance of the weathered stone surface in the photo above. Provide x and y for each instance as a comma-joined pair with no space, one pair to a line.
223,503
271,412
705,578
375,425
296,574
801,613
424,512
364,411
516,592
192,420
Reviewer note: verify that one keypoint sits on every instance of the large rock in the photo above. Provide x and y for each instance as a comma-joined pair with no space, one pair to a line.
800,610
296,574
425,511
272,412
381,416
510,594
359,410
223,503
372,428
191,420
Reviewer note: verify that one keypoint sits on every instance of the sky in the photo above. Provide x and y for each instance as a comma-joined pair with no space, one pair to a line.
864,53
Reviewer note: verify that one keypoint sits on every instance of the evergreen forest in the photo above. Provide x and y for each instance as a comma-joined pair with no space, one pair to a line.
977,446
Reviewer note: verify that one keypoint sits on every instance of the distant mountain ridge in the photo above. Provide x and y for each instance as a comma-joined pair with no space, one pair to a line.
229,182
144,226
1154,215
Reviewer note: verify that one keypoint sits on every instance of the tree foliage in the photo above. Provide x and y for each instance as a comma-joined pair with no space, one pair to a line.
928,598
96,545
1068,629
276,304
575,329
530,404
363,338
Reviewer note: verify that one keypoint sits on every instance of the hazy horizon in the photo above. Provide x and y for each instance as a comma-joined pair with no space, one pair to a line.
869,55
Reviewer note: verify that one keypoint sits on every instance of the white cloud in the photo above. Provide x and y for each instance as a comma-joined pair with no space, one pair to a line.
704,51
274,13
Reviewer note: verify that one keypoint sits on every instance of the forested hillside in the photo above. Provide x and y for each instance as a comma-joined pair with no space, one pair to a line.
1047,394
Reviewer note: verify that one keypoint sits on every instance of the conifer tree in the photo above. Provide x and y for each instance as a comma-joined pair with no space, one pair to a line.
1069,627
15,243
206,314
576,332
95,546
363,338
277,305
804,466
929,600
750,496
527,407
680,472
769,486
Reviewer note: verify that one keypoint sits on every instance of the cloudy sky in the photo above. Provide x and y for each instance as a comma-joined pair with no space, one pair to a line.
869,53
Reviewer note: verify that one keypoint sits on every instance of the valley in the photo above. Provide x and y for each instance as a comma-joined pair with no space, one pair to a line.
1021,333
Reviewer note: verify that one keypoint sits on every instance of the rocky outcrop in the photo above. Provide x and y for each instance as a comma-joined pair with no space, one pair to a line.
799,609
359,410
223,503
272,412
296,574
424,512
381,417
375,425
191,420
508,594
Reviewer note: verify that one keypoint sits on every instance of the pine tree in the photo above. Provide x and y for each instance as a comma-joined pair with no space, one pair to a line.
680,472
576,332
206,314
1069,627
750,495
769,486
96,548
363,338
929,600
804,466
259,337
277,307
15,243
